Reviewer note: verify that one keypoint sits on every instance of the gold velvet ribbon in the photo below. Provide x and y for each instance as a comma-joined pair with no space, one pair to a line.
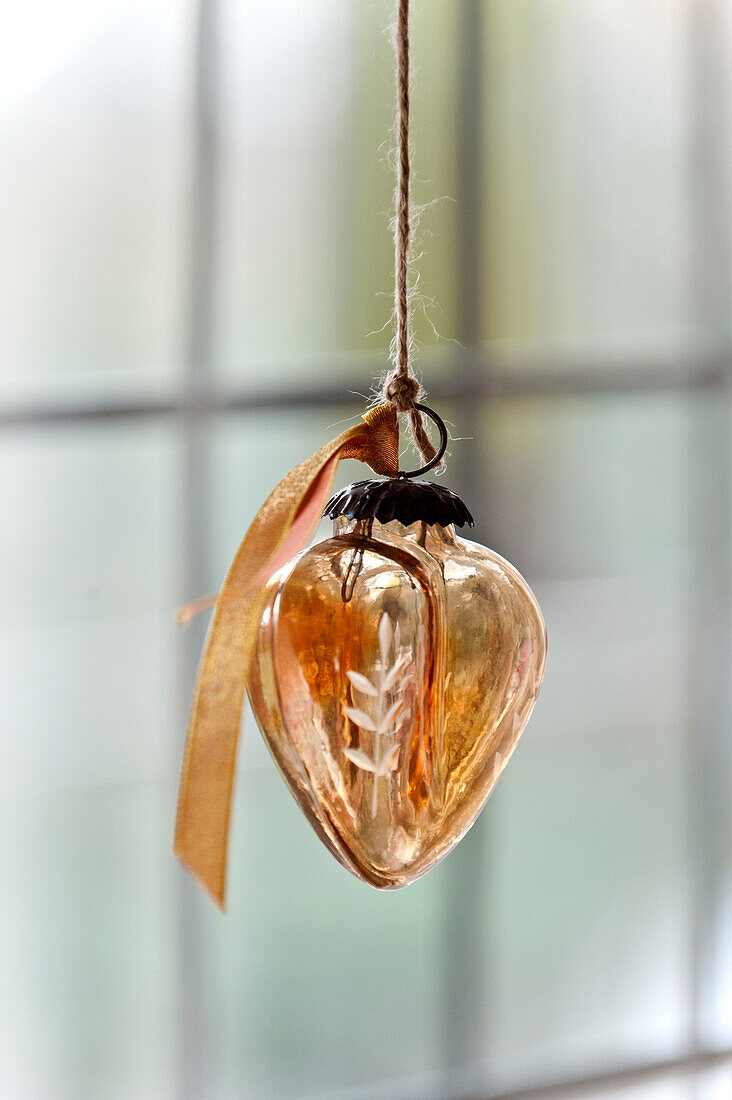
281,527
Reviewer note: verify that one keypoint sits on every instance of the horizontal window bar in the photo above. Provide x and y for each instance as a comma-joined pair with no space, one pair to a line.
624,1078
472,378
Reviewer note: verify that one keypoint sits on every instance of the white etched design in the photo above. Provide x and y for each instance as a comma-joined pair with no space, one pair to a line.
381,761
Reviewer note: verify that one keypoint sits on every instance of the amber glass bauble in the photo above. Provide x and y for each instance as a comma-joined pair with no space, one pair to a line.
396,667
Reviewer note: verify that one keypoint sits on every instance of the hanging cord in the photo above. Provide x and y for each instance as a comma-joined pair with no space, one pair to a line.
400,386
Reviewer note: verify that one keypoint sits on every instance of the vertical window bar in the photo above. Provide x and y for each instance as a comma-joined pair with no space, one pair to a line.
710,456
464,914
192,1062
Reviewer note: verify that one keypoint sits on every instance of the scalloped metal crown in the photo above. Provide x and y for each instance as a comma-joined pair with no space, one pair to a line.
402,500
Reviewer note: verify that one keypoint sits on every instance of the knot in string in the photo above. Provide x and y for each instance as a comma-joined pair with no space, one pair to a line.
402,391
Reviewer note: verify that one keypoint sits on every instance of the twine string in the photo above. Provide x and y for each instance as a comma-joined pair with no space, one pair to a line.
400,386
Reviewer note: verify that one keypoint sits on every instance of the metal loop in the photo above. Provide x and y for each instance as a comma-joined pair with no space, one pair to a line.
440,450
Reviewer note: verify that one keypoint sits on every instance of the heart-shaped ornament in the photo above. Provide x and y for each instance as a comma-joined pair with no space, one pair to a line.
396,667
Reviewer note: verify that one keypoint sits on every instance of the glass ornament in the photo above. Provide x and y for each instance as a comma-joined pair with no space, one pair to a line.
395,667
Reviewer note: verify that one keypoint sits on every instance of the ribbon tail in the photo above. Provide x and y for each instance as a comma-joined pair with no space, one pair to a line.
283,525
189,611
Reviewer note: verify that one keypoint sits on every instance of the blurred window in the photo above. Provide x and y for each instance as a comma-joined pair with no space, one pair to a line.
194,208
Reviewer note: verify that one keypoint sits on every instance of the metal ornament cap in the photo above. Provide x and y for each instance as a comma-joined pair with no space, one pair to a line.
402,500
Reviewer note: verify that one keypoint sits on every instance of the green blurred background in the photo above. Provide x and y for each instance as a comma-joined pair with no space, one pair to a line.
194,205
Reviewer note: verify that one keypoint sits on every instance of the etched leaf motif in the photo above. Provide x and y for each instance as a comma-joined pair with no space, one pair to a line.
360,759
383,722
360,718
385,633
362,683
395,672
390,715
387,762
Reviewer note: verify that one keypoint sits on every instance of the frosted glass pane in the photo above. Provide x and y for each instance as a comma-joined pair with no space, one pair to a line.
87,1000
588,936
587,487
619,651
93,195
713,590
305,256
90,557
588,840
322,986
586,181
714,1084
252,452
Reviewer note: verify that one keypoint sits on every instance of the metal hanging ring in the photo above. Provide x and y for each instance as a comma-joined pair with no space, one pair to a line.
440,450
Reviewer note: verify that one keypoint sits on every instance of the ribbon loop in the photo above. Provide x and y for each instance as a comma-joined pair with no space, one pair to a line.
281,527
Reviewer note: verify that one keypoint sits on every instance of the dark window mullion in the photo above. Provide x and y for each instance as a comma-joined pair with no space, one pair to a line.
193,1010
